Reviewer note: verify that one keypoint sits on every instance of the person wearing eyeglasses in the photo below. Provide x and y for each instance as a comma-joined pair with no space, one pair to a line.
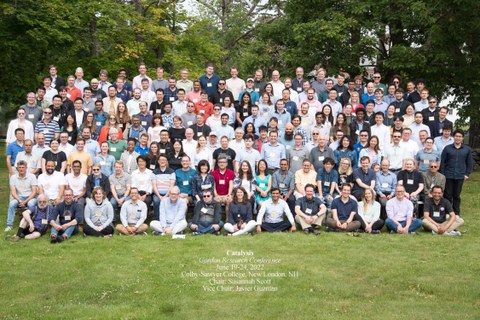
22,123
132,216
214,120
34,222
427,155
432,178
439,215
47,126
207,215
171,219
97,179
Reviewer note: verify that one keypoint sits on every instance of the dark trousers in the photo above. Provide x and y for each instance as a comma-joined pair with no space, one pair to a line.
276,227
92,232
377,225
453,189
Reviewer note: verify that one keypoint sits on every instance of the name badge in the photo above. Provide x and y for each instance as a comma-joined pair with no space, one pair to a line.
144,123
202,111
245,114
221,182
195,100
209,85
98,123
397,110
113,149
69,95
384,185
46,131
308,211
288,147
69,138
221,100
326,183
257,89
440,131
56,118
321,158
436,214
162,150
118,187
172,99
410,181
204,210
157,111
295,158
133,215
281,185
299,89
262,185
31,116
102,163
189,123
152,167
98,214
426,161
431,118
185,183
68,218
206,186
272,155
357,132
44,221
280,122
199,134
120,125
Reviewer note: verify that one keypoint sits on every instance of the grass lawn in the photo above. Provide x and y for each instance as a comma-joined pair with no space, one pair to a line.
294,276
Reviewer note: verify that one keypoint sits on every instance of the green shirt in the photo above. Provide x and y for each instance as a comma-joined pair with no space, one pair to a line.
116,148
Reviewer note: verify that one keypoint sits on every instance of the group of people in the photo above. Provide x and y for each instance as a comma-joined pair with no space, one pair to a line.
242,156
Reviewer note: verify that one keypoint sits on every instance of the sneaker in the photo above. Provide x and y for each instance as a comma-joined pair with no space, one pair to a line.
108,236
195,233
414,232
157,233
14,238
328,229
315,231
434,232
376,232
60,239
53,239
453,233
306,231
8,228
142,233
217,233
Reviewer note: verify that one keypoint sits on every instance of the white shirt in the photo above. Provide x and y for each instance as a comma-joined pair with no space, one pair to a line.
189,147
411,148
396,155
278,86
148,96
203,154
76,183
31,160
133,106
51,184
236,86
14,124
383,134
179,107
143,180
237,146
38,151
67,148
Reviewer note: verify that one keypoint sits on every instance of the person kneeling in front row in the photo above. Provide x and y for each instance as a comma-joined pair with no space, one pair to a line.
344,212
98,215
310,211
172,214
239,218
274,210
435,213
66,216
400,213
207,215
34,223
133,215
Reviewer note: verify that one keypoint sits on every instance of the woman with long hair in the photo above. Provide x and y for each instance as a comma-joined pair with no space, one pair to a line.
244,108
369,212
175,156
340,124
177,132
229,109
389,116
123,116
155,129
250,129
355,101
240,217
202,181
99,215
70,127
245,179
105,160
328,120
263,182
112,122
265,106
202,152
89,122
269,90
152,156
345,150
409,116
372,150
345,174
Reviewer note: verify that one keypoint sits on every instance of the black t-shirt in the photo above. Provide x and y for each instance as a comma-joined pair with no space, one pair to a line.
439,212
57,157
244,112
411,180
229,154
176,133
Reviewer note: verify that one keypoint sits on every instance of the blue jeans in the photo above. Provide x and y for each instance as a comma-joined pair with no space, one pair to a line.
68,232
205,227
114,202
328,203
156,206
391,225
13,205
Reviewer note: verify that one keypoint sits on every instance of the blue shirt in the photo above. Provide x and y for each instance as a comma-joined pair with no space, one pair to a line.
184,180
273,154
344,209
291,108
100,119
257,121
12,150
170,96
141,151
385,183
365,177
327,179
106,164
456,162
209,84
424,158
145,120
254,96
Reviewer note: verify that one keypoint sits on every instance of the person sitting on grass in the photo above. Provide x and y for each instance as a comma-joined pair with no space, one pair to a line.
65,218
310,211
98,215
239,218
35,219
207,215
274,210
369,212
435,215
132,216
400,213
327,178
344,212
173,210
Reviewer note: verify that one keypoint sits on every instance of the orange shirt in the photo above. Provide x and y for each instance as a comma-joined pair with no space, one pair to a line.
206,109
104,134
73,93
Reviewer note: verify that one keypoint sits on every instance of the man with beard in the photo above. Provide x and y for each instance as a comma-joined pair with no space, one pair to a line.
52,184
65,218
287,138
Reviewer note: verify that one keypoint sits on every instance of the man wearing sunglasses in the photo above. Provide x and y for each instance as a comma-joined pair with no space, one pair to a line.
207,215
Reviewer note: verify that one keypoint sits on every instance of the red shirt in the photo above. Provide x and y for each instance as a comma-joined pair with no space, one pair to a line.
206,109
222,181
73,93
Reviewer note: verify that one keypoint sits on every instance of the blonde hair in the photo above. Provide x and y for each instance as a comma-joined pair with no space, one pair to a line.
349,170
